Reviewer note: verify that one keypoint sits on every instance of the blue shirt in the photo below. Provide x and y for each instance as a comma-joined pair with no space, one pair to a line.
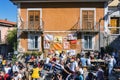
83,61
80,77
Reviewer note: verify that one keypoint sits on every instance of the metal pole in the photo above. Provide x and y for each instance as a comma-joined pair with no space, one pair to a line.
99,33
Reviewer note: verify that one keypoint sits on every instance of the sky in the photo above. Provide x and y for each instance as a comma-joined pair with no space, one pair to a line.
8,10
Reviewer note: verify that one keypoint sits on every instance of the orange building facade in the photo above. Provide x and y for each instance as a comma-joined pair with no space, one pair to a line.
55,26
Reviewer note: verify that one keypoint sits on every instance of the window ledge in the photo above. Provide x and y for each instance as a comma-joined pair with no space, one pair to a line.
88,49
35,49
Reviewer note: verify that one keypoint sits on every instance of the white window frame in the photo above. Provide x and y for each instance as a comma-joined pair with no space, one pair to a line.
39,9
39,41
81,9
83,41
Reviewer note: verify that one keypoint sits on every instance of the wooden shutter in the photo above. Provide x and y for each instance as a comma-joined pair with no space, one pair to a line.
37,20
91,19
30,19
88,19
113,23
33,19
84,19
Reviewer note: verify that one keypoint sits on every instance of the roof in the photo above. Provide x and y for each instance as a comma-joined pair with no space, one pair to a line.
114,3
6,22
60,1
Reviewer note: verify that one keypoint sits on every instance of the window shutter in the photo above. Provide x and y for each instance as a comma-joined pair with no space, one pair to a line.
91,19
84,19
88,19
36,20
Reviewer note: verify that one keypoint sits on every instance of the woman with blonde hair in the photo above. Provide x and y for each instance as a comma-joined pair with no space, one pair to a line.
35,72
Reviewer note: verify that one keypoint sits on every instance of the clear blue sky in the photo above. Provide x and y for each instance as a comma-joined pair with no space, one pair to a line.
8,10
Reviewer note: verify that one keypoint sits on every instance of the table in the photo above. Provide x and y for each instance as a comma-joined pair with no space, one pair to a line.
98,62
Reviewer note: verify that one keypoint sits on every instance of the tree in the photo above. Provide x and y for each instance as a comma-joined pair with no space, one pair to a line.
12,39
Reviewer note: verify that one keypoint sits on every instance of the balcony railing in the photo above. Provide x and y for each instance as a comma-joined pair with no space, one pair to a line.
114,30
31,26
89,28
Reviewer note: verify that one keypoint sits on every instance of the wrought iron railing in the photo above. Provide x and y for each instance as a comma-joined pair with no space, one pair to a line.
31,26
78,27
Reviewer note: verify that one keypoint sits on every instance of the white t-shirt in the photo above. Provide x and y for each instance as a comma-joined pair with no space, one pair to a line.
111,62
15,68
19,76
88,61
73,66
7,69
47,60
81,70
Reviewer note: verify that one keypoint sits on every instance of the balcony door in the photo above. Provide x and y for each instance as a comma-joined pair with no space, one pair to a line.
88,19
33,19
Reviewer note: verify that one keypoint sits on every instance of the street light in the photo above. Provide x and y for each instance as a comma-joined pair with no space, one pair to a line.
99,31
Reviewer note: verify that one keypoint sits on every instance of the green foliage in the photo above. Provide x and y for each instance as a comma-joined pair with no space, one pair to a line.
33,53
12,38
14,58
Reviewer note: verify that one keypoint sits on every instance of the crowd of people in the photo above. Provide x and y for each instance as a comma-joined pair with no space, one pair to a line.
63,66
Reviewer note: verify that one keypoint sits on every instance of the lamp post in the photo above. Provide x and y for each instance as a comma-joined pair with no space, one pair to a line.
99,32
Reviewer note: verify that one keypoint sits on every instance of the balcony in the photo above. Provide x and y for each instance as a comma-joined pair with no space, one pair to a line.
31,26
88,28
114,30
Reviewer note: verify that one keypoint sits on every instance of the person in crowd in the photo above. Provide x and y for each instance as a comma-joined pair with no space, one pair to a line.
110,65
17,76
62,56
73,64
92,56
102,51
27,58
48,65
89,61
83,60
80,69
66,72
15,67
90,76
99,73
0,59
68,58
7,68
1,76
35,73
4,62
79,76
96,55
4,75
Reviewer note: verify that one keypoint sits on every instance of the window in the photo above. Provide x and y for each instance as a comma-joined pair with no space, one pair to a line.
114,25
88,42
33,19
88,19
33,42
